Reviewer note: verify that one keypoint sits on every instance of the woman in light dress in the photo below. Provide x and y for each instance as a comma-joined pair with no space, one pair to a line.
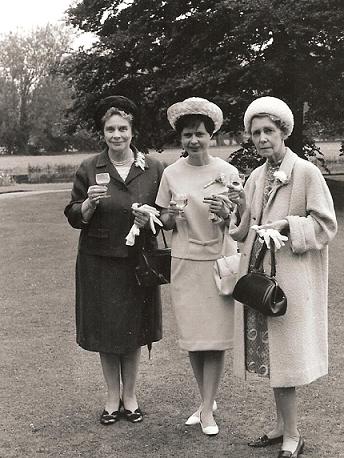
204,318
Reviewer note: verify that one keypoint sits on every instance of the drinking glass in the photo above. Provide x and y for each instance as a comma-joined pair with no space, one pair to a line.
236,181
103,179
181,201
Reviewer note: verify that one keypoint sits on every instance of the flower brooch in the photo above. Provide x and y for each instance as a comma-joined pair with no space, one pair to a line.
221,178
140,160
280,177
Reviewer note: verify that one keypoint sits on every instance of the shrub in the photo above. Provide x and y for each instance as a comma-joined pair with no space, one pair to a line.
6,179
51,173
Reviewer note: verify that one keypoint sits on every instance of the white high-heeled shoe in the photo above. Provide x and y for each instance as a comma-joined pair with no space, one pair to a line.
209,430
194,419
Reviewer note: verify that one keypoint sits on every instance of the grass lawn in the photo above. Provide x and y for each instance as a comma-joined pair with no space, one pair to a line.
52,392
19,164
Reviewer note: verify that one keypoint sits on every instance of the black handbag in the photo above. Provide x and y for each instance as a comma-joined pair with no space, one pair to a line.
154,266
260,291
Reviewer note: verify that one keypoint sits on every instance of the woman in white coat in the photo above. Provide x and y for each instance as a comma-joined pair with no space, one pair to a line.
289,196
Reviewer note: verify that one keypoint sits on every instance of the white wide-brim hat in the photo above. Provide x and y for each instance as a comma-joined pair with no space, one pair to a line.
195,105
270,106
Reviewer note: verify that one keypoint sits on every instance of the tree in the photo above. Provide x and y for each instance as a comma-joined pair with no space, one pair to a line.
8,115
30,88
230,51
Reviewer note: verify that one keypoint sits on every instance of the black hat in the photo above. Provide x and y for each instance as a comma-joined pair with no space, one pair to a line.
114,101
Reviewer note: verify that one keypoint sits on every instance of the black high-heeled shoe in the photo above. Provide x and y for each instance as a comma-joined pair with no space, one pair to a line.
298,451
133,417
107,418
264,441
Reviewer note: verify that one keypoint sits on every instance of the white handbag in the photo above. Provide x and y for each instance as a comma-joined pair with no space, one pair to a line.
226,271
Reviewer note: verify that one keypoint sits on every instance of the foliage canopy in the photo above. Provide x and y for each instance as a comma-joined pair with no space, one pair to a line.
32,99
34,96
230,51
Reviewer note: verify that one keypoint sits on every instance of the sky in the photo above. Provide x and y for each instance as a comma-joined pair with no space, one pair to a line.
17,15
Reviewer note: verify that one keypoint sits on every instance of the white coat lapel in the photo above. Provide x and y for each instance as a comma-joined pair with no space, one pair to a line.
285,171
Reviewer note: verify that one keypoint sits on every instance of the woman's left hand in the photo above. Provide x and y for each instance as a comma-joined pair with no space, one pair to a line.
220,205
141,218
280,225
273,231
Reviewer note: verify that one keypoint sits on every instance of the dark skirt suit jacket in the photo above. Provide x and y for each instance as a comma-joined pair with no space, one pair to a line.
113,314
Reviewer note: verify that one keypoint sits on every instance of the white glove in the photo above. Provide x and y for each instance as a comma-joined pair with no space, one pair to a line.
130,238
267,234
153,213
135,230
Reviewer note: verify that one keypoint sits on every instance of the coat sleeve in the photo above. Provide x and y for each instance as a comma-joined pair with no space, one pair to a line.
239,232
79,194
319,226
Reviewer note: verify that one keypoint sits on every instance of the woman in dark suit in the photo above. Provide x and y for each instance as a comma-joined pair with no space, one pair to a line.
115,316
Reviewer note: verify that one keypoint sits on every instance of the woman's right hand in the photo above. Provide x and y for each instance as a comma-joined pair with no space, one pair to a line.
168,215
95,193
172,210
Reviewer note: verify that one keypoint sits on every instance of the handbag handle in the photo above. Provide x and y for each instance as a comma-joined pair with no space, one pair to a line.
141,245
164,238
259,261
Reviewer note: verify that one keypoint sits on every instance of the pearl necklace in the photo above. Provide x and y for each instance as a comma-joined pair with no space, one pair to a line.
127,161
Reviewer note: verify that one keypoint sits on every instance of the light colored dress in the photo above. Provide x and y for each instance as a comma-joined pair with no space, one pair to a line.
204,318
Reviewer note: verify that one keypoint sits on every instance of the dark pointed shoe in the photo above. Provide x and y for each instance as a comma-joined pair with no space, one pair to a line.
134,417
298,451
264,441
107,418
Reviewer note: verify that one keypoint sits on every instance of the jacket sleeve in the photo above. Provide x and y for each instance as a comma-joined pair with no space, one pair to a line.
159,168
319,226
79,194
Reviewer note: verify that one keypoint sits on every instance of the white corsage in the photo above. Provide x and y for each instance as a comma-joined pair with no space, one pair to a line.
221,179
140,160
281,177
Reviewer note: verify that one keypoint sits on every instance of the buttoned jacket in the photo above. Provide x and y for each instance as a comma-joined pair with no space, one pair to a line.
105,233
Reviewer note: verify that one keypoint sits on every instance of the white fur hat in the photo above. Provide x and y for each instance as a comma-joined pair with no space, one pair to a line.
195,105
271,106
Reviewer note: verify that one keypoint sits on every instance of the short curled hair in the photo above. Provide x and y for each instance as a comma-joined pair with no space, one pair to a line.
116,111
193,121
277,121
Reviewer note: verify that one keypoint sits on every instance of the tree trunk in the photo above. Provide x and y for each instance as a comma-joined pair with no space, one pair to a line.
295,141
23,137
219,140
